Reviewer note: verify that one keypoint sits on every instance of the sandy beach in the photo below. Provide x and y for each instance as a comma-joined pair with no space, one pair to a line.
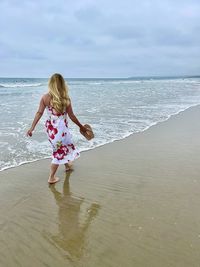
134,202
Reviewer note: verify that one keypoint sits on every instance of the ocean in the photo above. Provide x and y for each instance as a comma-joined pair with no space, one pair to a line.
115,108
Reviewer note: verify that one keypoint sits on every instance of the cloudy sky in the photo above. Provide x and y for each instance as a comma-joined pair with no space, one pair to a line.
105,38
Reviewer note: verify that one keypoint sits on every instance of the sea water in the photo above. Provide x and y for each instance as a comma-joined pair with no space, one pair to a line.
115,108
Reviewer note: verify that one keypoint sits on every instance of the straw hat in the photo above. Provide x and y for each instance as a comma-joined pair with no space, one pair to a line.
89,133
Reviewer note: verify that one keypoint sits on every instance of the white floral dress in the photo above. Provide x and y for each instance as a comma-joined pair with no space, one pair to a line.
60,137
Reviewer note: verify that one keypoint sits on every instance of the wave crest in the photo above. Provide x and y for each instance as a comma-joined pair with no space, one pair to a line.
21,85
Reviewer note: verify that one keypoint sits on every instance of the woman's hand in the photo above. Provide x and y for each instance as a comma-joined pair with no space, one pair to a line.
38,115
83,129
29,132
86,131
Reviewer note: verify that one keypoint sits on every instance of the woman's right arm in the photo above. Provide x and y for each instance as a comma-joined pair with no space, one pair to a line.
74,118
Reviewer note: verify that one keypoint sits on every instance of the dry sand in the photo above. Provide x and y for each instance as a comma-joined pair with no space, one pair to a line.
134,202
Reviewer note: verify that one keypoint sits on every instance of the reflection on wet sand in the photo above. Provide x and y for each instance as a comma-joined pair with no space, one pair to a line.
71,237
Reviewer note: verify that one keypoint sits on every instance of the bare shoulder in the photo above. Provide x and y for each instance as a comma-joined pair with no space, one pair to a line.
69,105
46,98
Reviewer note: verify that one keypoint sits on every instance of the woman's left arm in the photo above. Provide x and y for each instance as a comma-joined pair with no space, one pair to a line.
38,115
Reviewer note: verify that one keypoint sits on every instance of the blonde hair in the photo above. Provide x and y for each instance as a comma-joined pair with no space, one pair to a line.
58,91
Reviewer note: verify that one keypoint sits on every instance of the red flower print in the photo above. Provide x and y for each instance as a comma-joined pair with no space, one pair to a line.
65,149
72,146
48,122
52,136
50,129
61,152
66,123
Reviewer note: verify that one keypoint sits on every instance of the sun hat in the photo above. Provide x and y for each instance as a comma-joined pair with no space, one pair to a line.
89,133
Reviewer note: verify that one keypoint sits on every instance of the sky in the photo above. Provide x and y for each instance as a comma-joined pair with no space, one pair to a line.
104,38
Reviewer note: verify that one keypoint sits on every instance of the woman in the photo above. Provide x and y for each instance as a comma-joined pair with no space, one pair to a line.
58,106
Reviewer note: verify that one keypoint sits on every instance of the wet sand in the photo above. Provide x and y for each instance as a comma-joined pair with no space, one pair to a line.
134,202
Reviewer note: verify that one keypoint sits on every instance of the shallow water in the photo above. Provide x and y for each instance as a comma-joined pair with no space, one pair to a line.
115,108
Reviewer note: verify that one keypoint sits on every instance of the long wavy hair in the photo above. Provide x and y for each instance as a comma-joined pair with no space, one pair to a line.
58,91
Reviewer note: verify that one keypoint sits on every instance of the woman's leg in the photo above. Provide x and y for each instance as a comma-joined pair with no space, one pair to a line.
68,166
52,178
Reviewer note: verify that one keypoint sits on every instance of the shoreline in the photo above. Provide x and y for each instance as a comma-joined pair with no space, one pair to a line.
113,141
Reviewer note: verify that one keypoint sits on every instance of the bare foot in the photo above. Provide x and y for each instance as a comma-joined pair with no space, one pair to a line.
68,166
53,180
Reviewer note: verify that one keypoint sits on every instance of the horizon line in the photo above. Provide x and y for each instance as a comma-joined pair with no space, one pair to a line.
129,77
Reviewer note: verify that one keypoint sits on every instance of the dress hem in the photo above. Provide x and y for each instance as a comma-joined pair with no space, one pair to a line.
64,161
